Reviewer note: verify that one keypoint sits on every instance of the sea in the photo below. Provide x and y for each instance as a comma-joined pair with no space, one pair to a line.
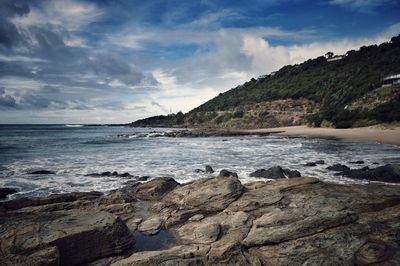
74,151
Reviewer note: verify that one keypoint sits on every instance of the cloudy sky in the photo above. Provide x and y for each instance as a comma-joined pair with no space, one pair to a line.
116,61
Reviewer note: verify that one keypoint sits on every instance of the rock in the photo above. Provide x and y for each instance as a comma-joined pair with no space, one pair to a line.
156,188
5,191
126,174
210,194
142,178
357,162
278,226
199,233
196,218
52,199
150,226
386,173
226,173
68,237
197,170
291,173
256,198
372,252
209,169
338,167
310,164
41,172
275,172
178,255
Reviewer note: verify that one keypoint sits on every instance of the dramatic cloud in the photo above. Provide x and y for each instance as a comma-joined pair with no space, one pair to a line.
78,61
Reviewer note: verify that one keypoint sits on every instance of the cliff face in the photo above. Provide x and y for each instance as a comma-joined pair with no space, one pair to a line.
318,91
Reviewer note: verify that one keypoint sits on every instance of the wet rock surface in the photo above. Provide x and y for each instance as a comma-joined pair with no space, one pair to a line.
211,221
275,172
386,173
5,191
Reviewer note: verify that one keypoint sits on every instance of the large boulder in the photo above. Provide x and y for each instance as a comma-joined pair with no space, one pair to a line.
66,237
275,172
210,194
156,188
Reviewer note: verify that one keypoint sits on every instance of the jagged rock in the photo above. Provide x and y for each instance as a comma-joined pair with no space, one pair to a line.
150,226
387,173
41,172
156,188
291,173
320,162
209,169
69,237
5,191
226,173
338,167
275,172
210,194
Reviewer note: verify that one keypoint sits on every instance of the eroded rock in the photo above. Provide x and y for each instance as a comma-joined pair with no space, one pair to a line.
211,194
70,237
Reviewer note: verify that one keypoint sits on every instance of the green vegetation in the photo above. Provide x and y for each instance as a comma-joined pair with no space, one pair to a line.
339,90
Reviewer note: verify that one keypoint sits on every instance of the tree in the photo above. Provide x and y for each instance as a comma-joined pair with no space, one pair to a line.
329,54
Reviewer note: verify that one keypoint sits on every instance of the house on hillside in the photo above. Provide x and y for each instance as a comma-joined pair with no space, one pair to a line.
391,81
335,58
262,76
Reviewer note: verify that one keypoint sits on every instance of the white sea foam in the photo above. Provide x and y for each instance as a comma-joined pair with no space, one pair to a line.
72,155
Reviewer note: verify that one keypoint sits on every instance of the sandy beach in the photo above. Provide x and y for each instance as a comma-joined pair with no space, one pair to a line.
381,135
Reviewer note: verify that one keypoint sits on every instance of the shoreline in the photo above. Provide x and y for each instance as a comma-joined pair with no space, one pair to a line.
383,136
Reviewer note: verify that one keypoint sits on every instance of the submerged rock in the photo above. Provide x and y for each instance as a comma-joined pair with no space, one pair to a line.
338,167
42,172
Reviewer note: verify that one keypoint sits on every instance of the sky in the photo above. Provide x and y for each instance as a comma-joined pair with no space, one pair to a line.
115,61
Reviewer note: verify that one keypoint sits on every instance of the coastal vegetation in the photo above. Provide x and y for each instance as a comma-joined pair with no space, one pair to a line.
342,93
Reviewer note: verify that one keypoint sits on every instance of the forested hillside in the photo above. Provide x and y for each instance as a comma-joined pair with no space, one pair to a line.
323,91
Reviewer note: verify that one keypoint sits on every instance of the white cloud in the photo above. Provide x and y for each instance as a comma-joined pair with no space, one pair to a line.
69,14
361,5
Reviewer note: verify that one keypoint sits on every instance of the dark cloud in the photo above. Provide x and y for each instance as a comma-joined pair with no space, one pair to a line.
6,101
9,34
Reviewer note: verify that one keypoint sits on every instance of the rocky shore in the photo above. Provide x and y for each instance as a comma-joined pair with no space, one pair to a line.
212,221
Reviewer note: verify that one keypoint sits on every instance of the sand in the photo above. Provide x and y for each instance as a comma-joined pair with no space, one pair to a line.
376,134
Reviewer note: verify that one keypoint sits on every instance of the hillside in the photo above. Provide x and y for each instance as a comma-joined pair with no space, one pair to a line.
322,92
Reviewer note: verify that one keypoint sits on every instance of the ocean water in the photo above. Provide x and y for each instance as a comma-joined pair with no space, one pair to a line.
73,151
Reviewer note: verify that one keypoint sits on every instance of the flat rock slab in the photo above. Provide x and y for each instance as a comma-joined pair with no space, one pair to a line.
69,237
211,194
